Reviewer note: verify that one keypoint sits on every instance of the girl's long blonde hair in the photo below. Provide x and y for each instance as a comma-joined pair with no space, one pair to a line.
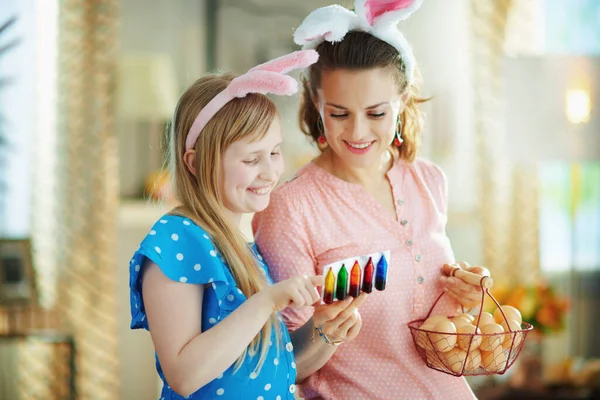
199,195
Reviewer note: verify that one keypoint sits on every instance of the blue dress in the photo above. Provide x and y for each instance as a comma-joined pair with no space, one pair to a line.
185,253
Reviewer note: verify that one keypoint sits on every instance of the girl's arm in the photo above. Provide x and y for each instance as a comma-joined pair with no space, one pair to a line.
191,358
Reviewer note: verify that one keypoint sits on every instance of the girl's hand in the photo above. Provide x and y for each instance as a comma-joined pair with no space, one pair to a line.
468,295
297,292
340,321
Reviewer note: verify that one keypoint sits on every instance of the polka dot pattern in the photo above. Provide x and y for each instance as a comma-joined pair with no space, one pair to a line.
185,253
312,221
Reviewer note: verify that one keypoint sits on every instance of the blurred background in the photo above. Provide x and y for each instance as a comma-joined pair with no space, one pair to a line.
87,87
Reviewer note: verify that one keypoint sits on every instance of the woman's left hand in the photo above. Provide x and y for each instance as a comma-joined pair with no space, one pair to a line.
466,294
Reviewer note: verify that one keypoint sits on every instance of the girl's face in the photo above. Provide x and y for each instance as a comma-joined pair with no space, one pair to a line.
359,111
251,170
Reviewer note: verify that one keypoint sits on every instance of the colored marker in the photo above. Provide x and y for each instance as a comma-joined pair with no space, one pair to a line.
381,274
342,284
367,285
329,287
355,280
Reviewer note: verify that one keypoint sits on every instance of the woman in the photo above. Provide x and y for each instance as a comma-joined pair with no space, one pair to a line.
366,192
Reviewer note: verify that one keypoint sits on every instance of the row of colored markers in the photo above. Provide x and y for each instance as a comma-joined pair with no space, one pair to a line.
338,289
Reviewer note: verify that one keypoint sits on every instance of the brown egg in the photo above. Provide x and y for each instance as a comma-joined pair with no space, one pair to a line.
434,359
473,361
508,337
468,316
460,320
454,359
434,319
493,361
422,338
489,343
467,333
510,312
441,341
485,319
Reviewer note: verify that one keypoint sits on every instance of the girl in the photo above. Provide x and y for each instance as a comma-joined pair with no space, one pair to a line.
366,192
203,293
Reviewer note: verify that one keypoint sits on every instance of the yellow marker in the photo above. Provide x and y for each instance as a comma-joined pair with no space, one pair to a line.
329,287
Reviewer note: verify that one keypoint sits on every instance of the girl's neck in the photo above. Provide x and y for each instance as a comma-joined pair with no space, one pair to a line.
233,218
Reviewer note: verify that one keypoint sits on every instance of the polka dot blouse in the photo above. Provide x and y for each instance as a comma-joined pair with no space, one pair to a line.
185,253
316,219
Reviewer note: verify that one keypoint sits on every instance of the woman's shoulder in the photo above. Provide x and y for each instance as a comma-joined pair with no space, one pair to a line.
431,171
297,188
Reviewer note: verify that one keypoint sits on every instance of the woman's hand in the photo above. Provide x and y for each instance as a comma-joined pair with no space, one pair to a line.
468,295
340,321
297,291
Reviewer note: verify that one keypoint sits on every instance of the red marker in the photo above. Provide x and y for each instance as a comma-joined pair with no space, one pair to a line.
367,285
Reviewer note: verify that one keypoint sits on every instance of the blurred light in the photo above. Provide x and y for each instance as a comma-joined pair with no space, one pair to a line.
578,106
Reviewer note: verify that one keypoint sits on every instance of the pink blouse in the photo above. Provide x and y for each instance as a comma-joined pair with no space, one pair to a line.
316,219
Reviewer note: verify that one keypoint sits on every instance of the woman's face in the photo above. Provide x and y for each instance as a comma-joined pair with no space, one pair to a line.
359,111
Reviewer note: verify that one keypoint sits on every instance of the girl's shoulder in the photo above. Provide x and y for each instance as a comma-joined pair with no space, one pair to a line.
185,253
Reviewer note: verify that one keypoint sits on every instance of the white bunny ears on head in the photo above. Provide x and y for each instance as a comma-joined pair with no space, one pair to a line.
269,77
377,17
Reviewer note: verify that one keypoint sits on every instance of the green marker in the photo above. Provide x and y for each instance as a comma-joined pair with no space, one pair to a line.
342,284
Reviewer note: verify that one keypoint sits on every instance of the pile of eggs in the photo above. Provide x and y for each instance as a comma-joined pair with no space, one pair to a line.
484,342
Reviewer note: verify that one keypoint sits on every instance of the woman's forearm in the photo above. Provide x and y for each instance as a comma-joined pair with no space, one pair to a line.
310,355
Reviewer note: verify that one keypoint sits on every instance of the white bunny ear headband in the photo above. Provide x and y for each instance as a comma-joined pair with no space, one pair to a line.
377,17
269,77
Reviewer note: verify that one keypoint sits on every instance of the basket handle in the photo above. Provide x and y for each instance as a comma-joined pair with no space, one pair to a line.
485,282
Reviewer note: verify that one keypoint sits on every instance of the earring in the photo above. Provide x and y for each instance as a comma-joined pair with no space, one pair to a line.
398,139
321,139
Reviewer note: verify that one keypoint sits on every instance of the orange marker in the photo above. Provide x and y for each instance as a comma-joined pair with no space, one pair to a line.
355,280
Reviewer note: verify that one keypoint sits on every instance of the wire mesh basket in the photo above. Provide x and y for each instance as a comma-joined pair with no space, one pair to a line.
470,351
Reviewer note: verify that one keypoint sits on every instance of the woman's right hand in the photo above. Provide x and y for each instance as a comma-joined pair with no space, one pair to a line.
298,292
340,321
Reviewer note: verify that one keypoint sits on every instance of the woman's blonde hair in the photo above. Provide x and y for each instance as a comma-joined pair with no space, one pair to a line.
199,195
358,51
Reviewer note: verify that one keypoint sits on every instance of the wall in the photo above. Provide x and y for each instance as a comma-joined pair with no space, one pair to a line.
439,34
174,28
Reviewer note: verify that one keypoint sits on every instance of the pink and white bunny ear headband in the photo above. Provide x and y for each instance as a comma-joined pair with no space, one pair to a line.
377,17
269,77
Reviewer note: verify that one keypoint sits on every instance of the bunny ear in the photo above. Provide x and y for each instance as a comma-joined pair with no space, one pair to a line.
289,62
262,82
329,23
383,12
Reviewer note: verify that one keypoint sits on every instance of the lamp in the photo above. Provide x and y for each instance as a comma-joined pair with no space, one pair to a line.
578,106
147,87
146,98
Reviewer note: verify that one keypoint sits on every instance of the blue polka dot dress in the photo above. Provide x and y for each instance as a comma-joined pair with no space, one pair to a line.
185,253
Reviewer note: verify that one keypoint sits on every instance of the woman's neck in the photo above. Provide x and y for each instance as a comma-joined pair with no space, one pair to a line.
366,176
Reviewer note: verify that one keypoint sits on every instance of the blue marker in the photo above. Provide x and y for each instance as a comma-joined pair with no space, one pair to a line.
381,273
